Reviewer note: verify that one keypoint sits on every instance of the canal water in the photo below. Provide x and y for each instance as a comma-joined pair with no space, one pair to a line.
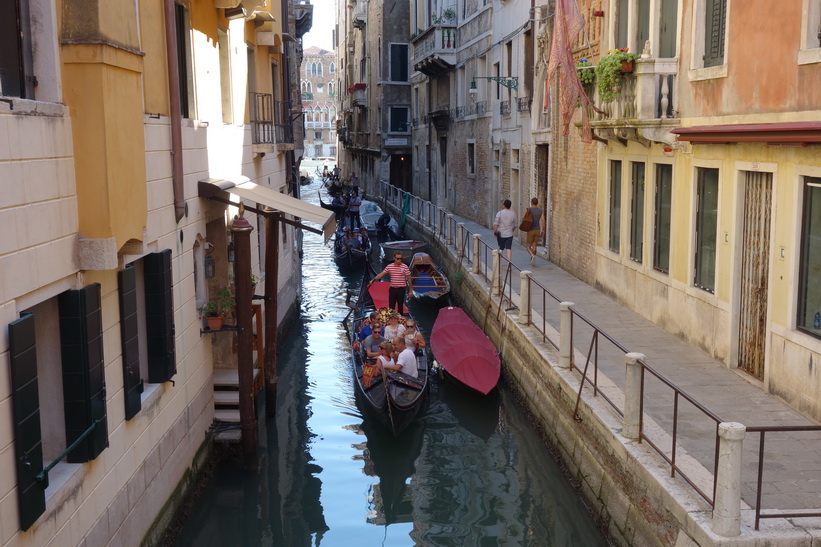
470,471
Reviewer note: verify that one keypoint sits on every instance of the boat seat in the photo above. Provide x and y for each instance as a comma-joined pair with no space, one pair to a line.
406,380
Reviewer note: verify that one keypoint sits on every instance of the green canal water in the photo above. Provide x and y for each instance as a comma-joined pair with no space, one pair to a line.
471,471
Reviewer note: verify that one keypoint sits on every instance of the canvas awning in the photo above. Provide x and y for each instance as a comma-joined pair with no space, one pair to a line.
282,203
783,133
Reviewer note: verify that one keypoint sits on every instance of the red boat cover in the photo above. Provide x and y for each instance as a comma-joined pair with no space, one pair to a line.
464,351
379,293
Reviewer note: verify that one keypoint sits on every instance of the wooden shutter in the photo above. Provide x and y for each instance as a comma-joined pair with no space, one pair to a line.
28,448
129,334
159,317
714,31
81,346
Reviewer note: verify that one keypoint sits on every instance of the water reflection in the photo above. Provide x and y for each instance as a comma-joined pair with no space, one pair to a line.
470,471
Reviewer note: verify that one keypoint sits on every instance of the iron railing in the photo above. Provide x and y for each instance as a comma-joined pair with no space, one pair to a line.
504,108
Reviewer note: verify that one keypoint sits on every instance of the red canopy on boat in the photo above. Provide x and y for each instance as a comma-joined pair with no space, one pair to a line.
464,351
379,293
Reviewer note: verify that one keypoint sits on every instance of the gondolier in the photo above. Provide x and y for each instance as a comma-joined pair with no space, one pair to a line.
400,282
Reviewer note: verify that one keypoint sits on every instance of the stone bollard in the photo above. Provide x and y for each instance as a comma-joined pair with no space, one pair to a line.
525,309
631,428
460,234
727,508
565,337
477,253
496,273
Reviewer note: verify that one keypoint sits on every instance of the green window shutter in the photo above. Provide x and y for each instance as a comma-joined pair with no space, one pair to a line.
159,317
714,31
28,448
129,335
81,348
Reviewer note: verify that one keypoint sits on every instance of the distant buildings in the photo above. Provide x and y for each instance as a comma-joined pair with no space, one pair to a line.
318,87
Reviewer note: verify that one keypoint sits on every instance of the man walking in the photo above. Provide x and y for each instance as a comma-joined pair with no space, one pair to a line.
400,281
503,227
537,229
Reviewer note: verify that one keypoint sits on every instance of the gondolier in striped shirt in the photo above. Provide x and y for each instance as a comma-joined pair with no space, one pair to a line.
400,282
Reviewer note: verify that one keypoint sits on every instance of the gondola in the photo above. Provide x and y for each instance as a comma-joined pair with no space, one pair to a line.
341,211
408,247
346,255
430,285
392,398
465,353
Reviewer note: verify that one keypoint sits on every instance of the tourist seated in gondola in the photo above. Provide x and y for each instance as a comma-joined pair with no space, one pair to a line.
365,329
394,328
413,338
363,237
352,239
371,343
405,360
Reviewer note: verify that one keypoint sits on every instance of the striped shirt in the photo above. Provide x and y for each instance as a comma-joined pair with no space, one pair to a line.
398,274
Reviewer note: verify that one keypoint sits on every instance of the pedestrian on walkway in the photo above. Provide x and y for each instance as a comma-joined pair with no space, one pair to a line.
537,229
503,227
400,282
354,181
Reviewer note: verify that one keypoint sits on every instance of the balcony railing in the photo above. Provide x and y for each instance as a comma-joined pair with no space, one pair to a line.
646,105
318,125
434,50
523,104
270,120
504,108
481,108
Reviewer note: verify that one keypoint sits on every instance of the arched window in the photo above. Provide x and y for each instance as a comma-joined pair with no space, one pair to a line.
333,114
319,88
324,114
331,89
318,69
317,116
308,69
332,68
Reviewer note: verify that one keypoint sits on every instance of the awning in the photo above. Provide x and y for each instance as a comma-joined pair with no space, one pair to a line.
790,133
283,203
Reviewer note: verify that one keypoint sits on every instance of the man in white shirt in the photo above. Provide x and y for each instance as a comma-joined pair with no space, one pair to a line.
503,227
406,360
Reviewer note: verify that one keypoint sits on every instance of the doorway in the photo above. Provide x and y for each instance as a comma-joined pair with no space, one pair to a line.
754,279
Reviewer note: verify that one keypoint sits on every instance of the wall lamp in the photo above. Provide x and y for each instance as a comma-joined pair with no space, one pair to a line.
510,82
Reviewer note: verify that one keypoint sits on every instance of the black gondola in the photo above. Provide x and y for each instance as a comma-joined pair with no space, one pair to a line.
349,254
393,398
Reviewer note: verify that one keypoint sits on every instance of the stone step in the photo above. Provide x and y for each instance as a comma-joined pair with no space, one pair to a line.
227,415
225,398
228,378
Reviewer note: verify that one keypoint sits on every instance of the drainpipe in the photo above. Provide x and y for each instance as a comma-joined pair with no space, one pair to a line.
176,116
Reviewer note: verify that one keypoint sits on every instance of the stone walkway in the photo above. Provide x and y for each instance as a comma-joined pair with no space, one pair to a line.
792,471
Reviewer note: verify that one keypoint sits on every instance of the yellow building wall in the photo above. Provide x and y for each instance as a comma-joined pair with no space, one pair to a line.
102,85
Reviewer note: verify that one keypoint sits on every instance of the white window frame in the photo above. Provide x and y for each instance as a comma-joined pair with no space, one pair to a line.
810,51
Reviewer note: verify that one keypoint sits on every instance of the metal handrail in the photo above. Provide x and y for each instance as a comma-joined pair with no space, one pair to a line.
43,475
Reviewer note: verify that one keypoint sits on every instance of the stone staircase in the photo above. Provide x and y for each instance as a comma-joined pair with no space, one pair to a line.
226,394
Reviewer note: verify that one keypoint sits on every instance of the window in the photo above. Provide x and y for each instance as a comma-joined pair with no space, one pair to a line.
399,62
332,68
320,88
317,135
399,119
809,297
331,88
714,32
56,358
810,51
182,25
706,228
471,158
637,211
16,64
225,76
661,229
615,206
654,20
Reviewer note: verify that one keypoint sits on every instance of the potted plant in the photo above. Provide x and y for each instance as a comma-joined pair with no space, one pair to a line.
586,71
609,71
449,15
215,309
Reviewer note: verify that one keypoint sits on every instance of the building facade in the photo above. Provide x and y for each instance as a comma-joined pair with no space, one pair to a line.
318,85
109,128
374,93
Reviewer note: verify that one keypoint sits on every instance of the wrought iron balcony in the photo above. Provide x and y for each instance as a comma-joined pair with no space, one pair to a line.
523,104
270,121
645,110
481,108
504,108
434,50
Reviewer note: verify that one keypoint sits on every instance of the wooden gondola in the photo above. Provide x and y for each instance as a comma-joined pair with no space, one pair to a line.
347,255
408,247
392,398
430,285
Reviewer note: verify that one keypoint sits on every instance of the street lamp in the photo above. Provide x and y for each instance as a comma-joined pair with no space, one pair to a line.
510,82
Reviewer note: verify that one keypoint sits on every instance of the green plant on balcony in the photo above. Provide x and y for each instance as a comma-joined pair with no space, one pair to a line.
586,71
609,72
449,15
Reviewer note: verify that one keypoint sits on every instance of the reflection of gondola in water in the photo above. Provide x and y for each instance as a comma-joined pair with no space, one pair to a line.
479,415
392,459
